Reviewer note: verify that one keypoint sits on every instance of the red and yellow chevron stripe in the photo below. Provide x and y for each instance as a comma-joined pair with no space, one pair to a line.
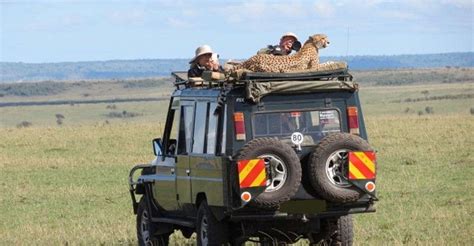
252,173
362,165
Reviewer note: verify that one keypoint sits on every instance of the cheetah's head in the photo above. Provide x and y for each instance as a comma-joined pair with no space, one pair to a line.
319,40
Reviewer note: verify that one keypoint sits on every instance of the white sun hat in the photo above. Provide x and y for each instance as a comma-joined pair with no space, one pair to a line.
201,50
289,34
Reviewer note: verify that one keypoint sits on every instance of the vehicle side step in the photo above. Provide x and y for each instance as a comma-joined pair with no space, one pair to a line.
175,221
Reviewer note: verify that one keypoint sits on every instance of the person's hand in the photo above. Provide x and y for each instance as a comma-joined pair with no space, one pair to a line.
214,65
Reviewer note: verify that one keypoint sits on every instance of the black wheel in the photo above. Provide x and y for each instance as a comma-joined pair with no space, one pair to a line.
209,230
334,232
282,166
146,230
328,163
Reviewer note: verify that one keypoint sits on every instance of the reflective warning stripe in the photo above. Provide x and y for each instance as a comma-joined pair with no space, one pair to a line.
354,173
252,173
245,167
362,165
368,159
261,179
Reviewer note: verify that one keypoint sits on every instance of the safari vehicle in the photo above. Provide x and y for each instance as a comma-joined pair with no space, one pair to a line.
264,157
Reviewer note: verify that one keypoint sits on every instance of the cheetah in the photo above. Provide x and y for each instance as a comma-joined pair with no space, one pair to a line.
306,58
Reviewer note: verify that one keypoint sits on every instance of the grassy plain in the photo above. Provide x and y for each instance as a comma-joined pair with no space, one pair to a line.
67,184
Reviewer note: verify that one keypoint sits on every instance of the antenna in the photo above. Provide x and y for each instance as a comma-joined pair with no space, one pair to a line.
347,44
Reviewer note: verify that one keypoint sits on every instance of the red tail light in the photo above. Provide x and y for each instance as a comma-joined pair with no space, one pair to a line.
353,120
239,126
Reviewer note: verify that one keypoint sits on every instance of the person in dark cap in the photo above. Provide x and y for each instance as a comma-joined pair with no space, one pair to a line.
288,42
204,59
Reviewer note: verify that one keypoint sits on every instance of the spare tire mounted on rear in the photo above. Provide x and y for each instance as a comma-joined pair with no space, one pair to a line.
328,166
282,166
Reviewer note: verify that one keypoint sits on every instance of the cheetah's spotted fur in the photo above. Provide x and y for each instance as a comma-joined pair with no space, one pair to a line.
306,58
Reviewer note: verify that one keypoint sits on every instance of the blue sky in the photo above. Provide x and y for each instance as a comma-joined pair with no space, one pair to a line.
90,30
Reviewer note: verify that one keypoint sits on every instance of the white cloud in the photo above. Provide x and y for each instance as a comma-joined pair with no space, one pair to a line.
247,10
324,8
178,22
459,3
132,16
260,11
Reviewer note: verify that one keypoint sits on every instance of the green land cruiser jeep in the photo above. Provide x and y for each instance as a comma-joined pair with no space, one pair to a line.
264,157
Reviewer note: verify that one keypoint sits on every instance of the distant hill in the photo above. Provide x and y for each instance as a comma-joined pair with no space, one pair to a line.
123,69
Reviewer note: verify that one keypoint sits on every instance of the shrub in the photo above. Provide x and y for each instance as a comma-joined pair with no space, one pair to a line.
123,114
34,88
111,106
24,124
429,110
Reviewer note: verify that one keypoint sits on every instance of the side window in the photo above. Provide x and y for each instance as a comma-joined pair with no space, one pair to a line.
175,126
186,129
173,133
212,129
200,128
224,131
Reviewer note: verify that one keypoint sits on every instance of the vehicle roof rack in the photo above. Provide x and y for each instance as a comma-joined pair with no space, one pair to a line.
180,76
339,74
235,80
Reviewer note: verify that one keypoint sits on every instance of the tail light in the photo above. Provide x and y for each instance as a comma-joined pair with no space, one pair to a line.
353,120
239,126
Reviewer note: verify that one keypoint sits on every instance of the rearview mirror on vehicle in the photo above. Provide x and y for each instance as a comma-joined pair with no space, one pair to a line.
157,147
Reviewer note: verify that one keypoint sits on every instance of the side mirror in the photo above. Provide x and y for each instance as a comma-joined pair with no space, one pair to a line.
157,147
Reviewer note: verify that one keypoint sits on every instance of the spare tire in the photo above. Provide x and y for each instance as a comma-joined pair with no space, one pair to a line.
282,166
328,167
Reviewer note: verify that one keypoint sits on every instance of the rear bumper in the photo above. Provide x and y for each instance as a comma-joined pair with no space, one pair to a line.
302,210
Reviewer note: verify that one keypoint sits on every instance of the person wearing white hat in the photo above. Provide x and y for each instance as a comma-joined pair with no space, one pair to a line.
288,42
204,59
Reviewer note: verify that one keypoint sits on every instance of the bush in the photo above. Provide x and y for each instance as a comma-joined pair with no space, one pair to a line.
24,124
123,114
472,110
429,110
111,106
34,89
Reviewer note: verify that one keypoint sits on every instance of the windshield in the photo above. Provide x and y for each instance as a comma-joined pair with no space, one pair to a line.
314,125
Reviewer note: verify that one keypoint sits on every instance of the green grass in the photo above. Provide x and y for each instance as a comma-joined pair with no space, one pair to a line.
391,100
68,184
424,181
82,114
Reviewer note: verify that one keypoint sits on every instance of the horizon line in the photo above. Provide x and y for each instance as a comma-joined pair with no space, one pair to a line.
138,59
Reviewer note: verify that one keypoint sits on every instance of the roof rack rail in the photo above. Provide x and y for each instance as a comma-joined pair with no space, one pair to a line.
340,74
182,81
